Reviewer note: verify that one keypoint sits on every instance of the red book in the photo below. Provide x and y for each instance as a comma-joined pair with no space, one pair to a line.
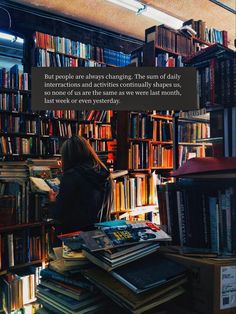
225,38
206,165
68,235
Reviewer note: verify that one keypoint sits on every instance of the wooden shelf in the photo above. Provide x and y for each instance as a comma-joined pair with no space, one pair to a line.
19,113
26,264
92,121
139,139
193,120
57,119
162,142
193,144
201,41
18,134
170,51
141,170
144,207
210,139
121,211
26,225
101,139
5,271
163,117
14,91
162,168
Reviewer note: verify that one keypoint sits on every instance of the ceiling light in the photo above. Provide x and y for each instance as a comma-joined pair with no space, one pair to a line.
150,12
11,38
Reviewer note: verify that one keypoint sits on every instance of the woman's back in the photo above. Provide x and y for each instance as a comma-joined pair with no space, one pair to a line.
82,194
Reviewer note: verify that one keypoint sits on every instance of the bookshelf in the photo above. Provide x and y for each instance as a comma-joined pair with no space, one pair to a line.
25,134
145,148
193,138
210,195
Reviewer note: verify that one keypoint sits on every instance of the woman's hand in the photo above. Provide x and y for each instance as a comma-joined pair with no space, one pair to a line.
52,195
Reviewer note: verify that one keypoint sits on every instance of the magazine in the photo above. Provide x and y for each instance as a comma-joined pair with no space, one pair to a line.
129,233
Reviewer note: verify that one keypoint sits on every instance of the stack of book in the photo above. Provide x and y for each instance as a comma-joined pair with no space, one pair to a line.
130,271
63,289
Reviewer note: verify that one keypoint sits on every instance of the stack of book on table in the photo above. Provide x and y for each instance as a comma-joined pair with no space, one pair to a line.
131,272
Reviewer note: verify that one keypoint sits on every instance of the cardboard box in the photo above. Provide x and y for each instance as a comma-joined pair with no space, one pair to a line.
212,284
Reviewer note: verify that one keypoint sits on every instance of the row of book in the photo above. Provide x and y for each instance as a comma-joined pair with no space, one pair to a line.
44,58
134,191
210,35
15,145
180,41
47,146
169,39
14,78
100,146
21,248
62,128
97,115
12,102
18,290
144,126
161,156
164,60
191,132
204,220
18,206
216,68
189,151
162,130
65,114
77,49
138,155
15,124
95,131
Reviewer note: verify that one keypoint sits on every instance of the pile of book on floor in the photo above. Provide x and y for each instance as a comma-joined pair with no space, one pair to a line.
126,267
63,289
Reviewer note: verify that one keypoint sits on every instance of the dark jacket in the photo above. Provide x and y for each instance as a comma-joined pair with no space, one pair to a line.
80,198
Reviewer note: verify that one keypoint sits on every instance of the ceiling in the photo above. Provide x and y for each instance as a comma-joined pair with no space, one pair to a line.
107,15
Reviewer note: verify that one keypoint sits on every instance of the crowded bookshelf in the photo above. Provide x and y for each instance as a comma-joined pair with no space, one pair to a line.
173,175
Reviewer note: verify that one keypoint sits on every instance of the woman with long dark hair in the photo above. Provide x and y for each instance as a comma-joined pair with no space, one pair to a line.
85,195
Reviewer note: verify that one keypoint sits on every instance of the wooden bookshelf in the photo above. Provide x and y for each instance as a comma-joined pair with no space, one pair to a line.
23,226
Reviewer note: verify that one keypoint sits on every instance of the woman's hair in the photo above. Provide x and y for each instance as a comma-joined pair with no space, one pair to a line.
77,151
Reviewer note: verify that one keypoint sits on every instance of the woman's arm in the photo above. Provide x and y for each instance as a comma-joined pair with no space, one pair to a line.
64,199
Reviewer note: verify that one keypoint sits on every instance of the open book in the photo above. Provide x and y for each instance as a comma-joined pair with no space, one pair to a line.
41,185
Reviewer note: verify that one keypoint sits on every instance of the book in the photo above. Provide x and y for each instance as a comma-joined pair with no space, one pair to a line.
148,272
75,280
126,298
104,261
39,184
132,232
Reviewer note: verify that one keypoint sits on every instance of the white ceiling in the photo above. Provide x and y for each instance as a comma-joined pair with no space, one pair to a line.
115,18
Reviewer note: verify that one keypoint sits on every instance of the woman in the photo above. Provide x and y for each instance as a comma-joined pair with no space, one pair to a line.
85,195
